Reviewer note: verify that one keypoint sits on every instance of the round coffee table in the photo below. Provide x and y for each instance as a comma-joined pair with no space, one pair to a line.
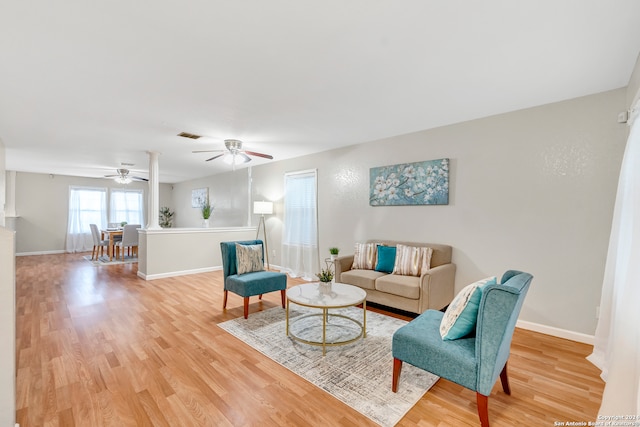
317,295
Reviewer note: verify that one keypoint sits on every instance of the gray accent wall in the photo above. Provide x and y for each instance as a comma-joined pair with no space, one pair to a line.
42,207
228,193
531,190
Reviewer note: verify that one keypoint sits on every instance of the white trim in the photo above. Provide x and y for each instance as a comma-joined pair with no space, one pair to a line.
196,230
43,253
177,273
556,332
187,272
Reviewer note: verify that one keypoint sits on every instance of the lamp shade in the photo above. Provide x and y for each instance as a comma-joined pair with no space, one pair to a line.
263,208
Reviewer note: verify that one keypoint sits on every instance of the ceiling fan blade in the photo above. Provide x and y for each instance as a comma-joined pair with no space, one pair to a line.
206,151
253,153
214,157
137,178
111,176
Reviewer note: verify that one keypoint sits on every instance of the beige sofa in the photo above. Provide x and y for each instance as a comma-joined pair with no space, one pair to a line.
434,289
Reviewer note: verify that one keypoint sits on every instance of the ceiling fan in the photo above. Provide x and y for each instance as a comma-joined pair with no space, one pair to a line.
234,153
123,177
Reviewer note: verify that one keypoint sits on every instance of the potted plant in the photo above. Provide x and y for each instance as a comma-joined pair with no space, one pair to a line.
325,276
166,217
123,223
206,209
334,253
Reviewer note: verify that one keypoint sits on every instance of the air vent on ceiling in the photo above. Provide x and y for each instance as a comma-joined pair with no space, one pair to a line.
189,135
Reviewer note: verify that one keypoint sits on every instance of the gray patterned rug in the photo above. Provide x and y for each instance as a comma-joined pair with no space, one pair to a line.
358,374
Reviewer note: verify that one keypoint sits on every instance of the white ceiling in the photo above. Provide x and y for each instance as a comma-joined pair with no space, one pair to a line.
86,85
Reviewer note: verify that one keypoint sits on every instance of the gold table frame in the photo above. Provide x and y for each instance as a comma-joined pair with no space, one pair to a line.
325,317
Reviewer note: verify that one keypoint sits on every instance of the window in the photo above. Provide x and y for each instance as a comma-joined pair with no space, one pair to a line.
300,255
87,206
126,205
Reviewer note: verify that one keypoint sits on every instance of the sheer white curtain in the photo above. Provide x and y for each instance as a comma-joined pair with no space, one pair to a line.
126,205
300,256
86,206
617,340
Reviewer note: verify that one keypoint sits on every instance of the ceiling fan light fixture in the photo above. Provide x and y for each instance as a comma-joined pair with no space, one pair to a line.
235,158
123,179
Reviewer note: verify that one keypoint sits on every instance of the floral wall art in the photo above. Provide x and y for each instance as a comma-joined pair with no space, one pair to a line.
419,183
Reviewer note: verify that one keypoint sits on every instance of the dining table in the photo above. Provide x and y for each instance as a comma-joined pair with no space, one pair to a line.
111,234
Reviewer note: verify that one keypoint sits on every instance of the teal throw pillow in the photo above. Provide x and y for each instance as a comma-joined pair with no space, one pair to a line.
462,314
386,259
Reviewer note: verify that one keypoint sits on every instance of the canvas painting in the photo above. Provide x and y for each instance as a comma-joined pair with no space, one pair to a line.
198,197
419,183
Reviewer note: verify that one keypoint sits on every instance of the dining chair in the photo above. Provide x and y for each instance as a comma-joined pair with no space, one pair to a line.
98,243
129,240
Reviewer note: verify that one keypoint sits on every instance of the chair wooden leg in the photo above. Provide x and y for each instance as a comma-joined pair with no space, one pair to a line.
397,367
283,297
246,307
224,300
260,297
505,380
483,409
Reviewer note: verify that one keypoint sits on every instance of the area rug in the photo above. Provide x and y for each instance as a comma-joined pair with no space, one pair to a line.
104,260
359,374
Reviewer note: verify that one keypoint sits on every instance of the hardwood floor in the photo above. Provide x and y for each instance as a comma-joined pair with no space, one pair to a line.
97,346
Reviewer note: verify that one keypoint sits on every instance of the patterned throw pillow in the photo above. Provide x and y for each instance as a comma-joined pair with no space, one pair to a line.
248,258
462,314
412,260
364,257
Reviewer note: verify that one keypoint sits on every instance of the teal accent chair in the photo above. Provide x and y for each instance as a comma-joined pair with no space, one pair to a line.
249,284
474,361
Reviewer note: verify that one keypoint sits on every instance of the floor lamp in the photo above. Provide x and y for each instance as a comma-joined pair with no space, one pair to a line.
262,209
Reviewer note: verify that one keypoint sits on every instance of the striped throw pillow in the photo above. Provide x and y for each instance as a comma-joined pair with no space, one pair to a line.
364,257
412,260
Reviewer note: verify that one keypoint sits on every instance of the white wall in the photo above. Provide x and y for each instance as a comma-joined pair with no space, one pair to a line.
633,89
7,328
2,184
7,311
530,190
228,192
42,206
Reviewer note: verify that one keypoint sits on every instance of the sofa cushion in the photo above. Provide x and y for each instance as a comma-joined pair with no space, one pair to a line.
404,286
364,256
462,314
364,279
412,260
248,258
386,258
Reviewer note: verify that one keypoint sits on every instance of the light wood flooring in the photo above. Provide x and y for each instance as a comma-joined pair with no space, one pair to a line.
97,346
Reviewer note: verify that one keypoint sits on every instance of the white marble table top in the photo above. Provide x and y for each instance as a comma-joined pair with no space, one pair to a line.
340,295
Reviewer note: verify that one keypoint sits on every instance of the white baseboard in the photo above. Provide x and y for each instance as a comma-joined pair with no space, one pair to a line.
177,273
556,332
41,253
